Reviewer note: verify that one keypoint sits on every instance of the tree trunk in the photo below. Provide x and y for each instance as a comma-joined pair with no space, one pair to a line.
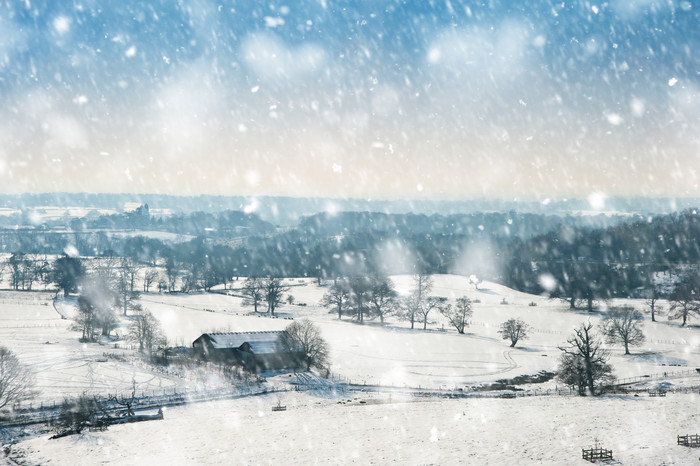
589,377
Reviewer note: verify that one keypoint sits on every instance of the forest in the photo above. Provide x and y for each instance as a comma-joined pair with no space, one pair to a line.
577,258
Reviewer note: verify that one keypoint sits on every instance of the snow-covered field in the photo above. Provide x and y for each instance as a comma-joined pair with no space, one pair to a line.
30,326
318,430
394,354
551,430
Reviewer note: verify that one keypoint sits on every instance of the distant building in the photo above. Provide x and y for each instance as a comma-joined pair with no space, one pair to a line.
255,351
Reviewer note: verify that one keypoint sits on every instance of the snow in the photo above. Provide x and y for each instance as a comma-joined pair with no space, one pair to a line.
383,429
30,326
159,235
390,425
394,354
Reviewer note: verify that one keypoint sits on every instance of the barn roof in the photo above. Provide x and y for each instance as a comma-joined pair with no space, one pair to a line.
264,342
263,347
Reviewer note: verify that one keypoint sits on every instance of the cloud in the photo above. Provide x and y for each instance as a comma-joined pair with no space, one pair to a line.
187,112
64,131
481,53
274,61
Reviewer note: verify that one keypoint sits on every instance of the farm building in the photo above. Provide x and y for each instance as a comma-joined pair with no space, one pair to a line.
255,351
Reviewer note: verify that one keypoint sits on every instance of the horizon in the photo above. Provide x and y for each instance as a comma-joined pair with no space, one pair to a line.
289,209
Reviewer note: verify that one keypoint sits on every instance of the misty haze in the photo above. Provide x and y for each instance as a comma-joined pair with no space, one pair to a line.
349,232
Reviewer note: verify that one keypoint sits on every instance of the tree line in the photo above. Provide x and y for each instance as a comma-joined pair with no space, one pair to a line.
580,265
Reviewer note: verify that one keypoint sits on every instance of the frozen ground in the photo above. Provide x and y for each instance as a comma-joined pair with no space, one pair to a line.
318,429
393,354
30,326
383,430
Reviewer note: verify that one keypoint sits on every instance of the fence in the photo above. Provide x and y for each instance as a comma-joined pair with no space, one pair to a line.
48,412
21,302
682,342
689,440
658,376
595,454
29,325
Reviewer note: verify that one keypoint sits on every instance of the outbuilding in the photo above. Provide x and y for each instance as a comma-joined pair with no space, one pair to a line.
255,351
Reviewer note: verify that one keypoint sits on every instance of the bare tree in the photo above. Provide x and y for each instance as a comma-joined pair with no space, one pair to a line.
337,296
41,269
131,269
652,300
3,267
105,269
459,315
583,362
360,288
172,272
382,297
19,270
150,277
16,381
253,290
127,297
429,304
422,285
514,330
30,271
623,325
146,332
85,319
273,292
685,298
191,277
654,307
96,306
314,347
411,306
415,305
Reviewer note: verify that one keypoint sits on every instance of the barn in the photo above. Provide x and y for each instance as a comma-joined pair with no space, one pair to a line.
255,351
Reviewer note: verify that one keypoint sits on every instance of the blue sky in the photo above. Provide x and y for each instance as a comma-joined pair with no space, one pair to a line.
369,99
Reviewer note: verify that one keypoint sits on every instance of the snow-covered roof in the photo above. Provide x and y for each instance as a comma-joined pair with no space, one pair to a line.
264,347
264,342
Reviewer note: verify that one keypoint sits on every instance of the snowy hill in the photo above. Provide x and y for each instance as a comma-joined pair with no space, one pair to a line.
531,430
